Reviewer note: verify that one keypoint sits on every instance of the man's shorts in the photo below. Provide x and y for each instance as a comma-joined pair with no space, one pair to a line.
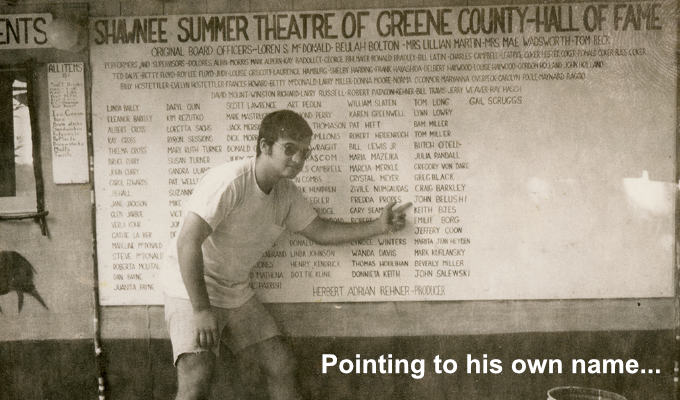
239,327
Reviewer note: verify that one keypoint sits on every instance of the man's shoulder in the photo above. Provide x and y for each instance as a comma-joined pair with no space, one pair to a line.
229,178
229,172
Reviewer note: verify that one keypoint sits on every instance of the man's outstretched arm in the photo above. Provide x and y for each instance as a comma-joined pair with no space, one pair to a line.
323,231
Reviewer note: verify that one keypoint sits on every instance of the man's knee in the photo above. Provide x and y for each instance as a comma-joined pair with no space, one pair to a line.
276,358
194,375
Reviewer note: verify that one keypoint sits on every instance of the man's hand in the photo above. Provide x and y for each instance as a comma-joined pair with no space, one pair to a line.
393,218
325,231
205,325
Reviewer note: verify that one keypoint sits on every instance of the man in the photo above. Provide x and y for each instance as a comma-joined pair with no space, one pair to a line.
236,213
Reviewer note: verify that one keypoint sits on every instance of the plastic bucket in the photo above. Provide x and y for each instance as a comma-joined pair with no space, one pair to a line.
581,393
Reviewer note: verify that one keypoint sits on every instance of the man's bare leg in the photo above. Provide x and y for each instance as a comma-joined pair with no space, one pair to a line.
278,365
194,375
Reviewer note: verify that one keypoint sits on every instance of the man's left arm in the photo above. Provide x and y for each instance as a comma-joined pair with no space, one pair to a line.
324,231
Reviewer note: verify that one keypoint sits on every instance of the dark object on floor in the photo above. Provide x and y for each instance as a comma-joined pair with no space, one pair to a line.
581,393
16,274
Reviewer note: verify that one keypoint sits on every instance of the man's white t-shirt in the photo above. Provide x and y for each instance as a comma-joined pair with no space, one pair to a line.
245,222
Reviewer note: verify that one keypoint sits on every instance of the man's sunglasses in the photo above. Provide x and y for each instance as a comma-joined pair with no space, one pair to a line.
291,149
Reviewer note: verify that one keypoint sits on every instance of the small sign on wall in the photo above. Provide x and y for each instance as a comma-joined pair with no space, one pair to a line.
25,31
67,122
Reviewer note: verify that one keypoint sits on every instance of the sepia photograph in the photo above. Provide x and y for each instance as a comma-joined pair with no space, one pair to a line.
300,199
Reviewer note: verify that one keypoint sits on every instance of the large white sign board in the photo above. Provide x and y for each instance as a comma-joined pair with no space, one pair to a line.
520,133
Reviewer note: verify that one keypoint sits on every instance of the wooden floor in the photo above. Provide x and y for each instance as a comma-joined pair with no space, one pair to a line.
141,369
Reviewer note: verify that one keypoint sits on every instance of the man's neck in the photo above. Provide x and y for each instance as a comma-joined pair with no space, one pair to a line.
264,176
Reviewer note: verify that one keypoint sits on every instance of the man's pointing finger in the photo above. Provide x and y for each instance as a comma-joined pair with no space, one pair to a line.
402,207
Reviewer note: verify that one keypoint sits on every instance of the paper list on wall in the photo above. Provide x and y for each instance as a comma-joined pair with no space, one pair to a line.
68,126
